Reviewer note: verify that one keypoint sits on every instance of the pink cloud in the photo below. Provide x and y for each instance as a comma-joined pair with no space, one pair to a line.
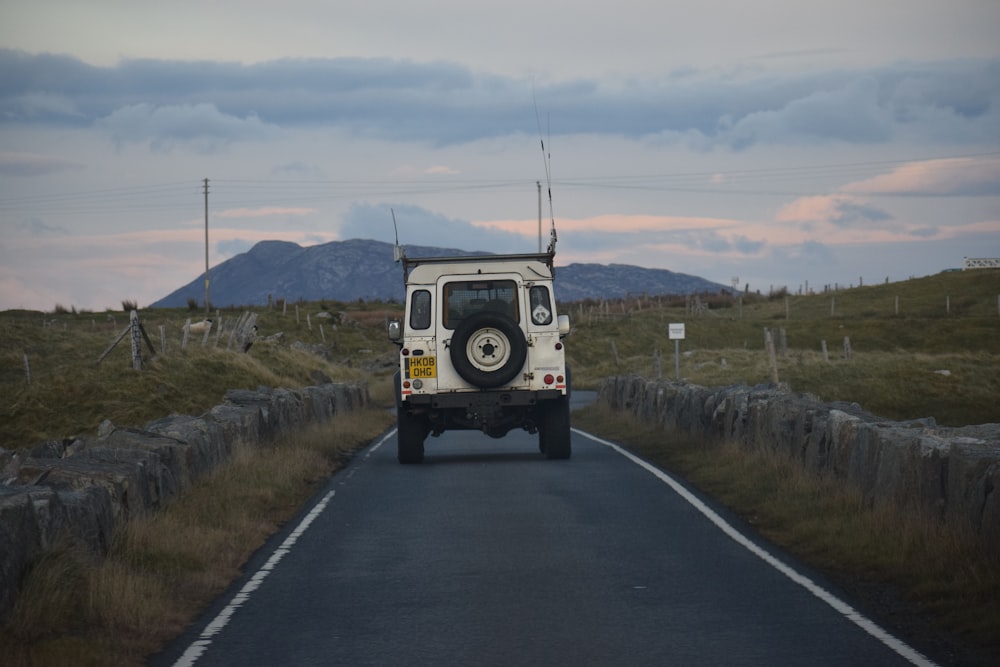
953,176
610,223
810,209
263,212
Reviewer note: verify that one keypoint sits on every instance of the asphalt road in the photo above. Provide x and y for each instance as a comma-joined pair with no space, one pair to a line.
488,554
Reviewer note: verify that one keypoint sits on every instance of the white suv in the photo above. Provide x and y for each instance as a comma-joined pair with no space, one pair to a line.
481,349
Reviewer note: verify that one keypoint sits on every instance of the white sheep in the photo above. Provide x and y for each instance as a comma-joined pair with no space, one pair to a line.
198,327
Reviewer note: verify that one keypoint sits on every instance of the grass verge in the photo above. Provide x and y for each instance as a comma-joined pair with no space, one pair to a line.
935,586
164,568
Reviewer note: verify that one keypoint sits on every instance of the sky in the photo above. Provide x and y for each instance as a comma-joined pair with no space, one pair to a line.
757,143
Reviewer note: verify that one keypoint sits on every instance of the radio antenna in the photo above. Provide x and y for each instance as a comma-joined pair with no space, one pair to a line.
398,253
547,160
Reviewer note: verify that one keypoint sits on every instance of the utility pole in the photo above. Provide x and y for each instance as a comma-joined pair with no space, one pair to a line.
208,303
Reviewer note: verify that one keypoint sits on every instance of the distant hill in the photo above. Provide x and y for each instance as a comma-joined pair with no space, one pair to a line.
363,269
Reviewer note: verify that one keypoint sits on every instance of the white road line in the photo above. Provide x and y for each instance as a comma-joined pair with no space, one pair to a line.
839,605
200,645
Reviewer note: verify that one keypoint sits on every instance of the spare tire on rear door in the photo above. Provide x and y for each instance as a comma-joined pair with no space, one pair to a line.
488,349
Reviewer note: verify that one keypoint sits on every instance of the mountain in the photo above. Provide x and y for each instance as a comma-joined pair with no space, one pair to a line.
362,269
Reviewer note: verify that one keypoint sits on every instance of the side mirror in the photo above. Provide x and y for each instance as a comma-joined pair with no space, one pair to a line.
563,325
395,331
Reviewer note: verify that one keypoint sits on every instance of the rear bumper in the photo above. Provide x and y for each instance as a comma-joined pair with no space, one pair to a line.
476,399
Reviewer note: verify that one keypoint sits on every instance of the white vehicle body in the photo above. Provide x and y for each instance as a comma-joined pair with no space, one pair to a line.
481,348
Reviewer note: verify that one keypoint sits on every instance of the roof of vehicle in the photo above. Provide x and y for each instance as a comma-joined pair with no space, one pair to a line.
535,263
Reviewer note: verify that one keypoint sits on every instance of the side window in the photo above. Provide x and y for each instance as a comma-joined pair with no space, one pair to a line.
420,310
540,305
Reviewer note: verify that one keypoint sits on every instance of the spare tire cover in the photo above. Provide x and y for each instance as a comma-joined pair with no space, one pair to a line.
488,349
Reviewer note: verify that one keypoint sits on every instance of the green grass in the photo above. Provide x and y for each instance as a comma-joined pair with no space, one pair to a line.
70,394
895,358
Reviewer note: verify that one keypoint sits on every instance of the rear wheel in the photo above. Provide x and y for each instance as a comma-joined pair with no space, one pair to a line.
410,435
553,429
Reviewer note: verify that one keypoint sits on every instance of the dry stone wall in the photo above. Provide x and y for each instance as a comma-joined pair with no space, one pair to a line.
84,489
951,473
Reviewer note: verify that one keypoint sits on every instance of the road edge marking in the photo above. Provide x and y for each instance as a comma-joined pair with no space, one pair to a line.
850,613
215,626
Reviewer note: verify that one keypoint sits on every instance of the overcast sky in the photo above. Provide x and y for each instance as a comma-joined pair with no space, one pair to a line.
779,142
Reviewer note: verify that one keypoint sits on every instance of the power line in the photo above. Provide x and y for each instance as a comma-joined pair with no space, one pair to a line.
185,196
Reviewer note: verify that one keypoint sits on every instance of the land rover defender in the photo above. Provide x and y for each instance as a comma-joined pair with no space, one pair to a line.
481,348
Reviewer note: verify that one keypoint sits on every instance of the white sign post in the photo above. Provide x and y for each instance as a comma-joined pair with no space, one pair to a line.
675,331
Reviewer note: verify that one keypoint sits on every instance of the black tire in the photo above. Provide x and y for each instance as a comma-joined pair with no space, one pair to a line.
488,350
553,429
410,435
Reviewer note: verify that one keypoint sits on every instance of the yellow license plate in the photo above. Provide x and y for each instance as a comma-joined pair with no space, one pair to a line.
421,367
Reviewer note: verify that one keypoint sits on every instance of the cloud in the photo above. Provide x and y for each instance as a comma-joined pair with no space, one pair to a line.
602,236
200,124
851,113
949,177
35,227
31,164
839,210
420,227
441,103
298,169
265,212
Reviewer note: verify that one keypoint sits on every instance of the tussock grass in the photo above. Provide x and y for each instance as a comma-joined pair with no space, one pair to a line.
163,568
916,573
70,394
893,368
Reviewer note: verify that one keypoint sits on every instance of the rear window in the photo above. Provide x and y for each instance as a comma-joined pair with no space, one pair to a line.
540,305
466,298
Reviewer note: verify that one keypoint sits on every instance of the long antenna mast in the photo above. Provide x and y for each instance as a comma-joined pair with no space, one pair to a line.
208,304
547,159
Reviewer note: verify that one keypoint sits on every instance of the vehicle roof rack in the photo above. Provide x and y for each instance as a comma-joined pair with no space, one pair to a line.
547,258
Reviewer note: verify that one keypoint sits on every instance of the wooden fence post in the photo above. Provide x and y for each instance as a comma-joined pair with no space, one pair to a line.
772,357
847,348
208,331
133,320
614,352
27,368
826,354
187,333
163,339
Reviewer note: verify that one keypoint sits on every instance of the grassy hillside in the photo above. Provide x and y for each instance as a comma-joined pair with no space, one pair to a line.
70,393
938,356
948,322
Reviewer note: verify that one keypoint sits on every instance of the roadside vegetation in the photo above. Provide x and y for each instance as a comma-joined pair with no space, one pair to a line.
70,394
163,569
938,357
935,585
